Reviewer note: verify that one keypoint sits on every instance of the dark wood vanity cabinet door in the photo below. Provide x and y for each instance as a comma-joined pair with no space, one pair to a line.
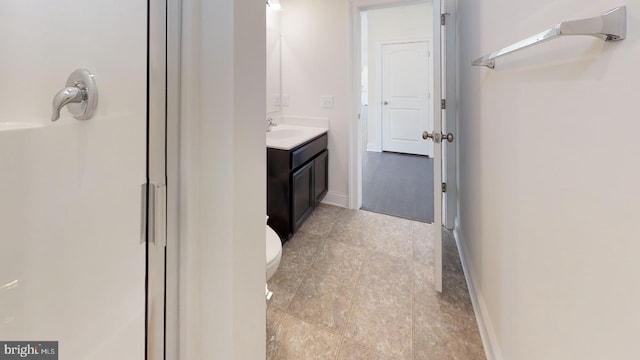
297,180
321,175
279,192
303,194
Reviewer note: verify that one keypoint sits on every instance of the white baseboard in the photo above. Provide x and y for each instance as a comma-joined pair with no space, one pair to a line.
374,148
487,332
337,199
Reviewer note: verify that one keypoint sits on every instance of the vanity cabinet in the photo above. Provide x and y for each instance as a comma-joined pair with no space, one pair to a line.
297,180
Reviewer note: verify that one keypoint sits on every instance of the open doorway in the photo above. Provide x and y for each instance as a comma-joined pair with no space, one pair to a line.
396,107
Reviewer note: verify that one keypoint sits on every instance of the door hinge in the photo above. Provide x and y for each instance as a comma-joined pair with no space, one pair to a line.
444,187
153,216
443,19
443,104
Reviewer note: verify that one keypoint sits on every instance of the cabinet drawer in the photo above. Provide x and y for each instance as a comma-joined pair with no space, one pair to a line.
308,151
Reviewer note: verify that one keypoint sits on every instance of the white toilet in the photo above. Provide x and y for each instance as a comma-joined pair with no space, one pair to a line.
274,252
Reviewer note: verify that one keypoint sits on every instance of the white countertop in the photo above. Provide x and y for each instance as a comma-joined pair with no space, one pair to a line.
286,137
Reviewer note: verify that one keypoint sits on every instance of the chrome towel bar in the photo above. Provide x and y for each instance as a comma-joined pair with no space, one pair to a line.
611,26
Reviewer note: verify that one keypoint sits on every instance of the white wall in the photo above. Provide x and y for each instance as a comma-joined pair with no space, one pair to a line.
315,62
364,58
273,61
549,194
408,22
223,177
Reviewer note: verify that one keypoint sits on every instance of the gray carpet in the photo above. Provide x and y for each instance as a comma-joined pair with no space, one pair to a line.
398,184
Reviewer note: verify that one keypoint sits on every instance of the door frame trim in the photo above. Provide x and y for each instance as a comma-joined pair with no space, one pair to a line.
355,123
451,86
165,54
157,108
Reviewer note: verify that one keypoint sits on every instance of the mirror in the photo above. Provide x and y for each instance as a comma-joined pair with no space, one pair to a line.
273,62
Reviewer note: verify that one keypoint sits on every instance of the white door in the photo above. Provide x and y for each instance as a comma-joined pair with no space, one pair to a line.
72,266
405,97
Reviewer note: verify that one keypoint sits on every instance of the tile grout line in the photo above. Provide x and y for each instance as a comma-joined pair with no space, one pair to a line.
304,276
370,251
324,238
343,337
340,347
413,294
356,282
276,326
352,302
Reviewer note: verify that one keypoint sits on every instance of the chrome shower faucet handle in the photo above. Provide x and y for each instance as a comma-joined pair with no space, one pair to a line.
80,94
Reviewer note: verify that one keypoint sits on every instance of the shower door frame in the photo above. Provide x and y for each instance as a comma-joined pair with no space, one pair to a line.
164,79
163,39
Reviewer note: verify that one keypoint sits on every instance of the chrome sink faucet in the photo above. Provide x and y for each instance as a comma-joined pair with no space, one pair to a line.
270,124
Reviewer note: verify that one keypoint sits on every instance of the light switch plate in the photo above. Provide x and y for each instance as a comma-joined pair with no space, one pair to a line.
285,99
327,101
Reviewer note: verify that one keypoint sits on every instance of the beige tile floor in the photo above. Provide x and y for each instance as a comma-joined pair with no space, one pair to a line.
359,285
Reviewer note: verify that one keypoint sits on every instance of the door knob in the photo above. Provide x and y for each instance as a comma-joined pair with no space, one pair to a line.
433,136
80,94
437,137
385,103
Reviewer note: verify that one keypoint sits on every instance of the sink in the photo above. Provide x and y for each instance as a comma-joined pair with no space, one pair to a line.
286,137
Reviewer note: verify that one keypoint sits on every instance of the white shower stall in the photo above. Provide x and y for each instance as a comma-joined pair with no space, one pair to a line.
72,263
